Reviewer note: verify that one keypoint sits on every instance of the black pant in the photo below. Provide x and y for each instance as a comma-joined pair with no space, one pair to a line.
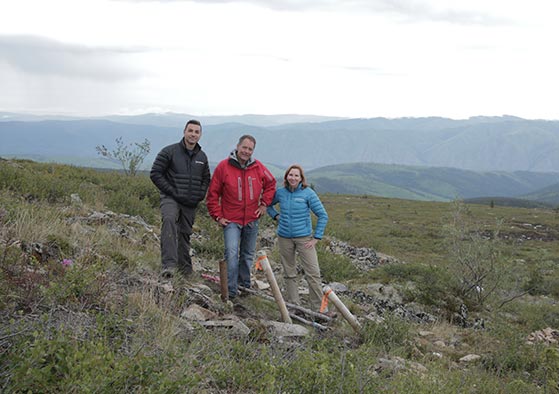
176,228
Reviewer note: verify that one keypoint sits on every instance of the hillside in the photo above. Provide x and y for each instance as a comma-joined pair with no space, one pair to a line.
549,195
84,309
424,183
479,144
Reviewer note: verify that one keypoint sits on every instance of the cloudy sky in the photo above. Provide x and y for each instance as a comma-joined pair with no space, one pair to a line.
352,58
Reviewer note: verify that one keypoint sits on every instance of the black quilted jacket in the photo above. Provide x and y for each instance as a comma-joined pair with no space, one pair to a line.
180,175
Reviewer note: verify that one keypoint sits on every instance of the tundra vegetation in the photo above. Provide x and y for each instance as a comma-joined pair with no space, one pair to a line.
83,309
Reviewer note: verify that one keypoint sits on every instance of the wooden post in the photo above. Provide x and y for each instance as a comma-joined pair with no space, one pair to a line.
352,320
317,315
263,258
223,280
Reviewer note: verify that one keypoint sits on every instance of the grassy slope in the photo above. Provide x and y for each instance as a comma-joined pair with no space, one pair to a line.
106,326
548,195
423,183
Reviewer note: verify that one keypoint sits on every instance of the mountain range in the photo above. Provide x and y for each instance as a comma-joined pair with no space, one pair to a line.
419,158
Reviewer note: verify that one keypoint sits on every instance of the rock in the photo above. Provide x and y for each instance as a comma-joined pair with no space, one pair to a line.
397,364
363,258
196,313
391,365
201,288
261,285
423,333
419,368
338,287
548,336
236,327
469,358
280,329
375,318
75,199
384,292
439,343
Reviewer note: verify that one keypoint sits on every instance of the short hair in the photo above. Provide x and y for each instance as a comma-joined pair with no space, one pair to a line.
296,167
193,121
247,137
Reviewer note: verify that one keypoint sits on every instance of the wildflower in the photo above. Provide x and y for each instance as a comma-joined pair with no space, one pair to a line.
66,263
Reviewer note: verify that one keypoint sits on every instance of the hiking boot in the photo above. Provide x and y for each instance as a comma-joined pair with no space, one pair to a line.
167,273
242,292
186,272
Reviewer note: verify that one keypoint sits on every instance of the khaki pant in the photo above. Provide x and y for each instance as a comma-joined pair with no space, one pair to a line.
289,248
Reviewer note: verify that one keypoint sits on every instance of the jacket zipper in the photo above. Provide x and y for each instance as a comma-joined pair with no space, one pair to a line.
240,188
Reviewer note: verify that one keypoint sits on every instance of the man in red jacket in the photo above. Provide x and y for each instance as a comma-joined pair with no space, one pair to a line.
240,190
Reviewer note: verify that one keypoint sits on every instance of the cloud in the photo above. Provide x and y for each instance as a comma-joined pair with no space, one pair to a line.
42,56
406,10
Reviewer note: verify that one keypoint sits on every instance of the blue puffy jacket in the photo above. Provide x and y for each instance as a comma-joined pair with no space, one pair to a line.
295,207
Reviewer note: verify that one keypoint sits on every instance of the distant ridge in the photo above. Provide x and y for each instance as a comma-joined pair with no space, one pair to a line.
172,119
425,183
492,152
548,195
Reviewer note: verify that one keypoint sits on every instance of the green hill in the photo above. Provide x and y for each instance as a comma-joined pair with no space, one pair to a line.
549,195
424,183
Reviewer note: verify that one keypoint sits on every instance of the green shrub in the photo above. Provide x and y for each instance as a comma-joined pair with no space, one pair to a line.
390,334
60,243
475,257
78,283
335,268
55,183
431,285
59,362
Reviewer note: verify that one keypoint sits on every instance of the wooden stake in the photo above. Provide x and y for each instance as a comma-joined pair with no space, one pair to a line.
296,307
263,258
223,280
352,320
307,322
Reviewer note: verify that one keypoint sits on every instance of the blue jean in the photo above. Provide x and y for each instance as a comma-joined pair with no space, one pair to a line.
240,245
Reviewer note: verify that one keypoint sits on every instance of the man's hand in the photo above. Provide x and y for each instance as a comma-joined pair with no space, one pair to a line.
260,211
223,222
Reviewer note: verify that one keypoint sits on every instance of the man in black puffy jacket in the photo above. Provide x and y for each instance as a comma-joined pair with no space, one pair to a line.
182,175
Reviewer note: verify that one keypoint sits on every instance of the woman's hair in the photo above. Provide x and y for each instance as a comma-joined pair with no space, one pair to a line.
297,167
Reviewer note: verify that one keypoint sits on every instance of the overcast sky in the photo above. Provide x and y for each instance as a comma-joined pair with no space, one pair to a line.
351,58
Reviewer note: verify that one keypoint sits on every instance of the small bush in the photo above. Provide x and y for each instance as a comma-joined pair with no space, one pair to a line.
431,285
475,257
391,334
335,267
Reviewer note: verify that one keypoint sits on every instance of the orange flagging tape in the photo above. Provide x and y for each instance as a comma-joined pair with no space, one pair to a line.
258,264
324,304
212,278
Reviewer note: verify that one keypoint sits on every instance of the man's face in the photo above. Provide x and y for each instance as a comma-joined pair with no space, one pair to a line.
192,135
244,150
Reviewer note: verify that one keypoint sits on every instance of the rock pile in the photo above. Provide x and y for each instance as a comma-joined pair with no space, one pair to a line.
364,259
548,336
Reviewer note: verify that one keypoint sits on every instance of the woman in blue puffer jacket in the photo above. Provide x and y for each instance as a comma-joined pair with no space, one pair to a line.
295,234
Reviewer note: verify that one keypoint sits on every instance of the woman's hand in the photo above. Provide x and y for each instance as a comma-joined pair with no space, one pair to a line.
310,244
